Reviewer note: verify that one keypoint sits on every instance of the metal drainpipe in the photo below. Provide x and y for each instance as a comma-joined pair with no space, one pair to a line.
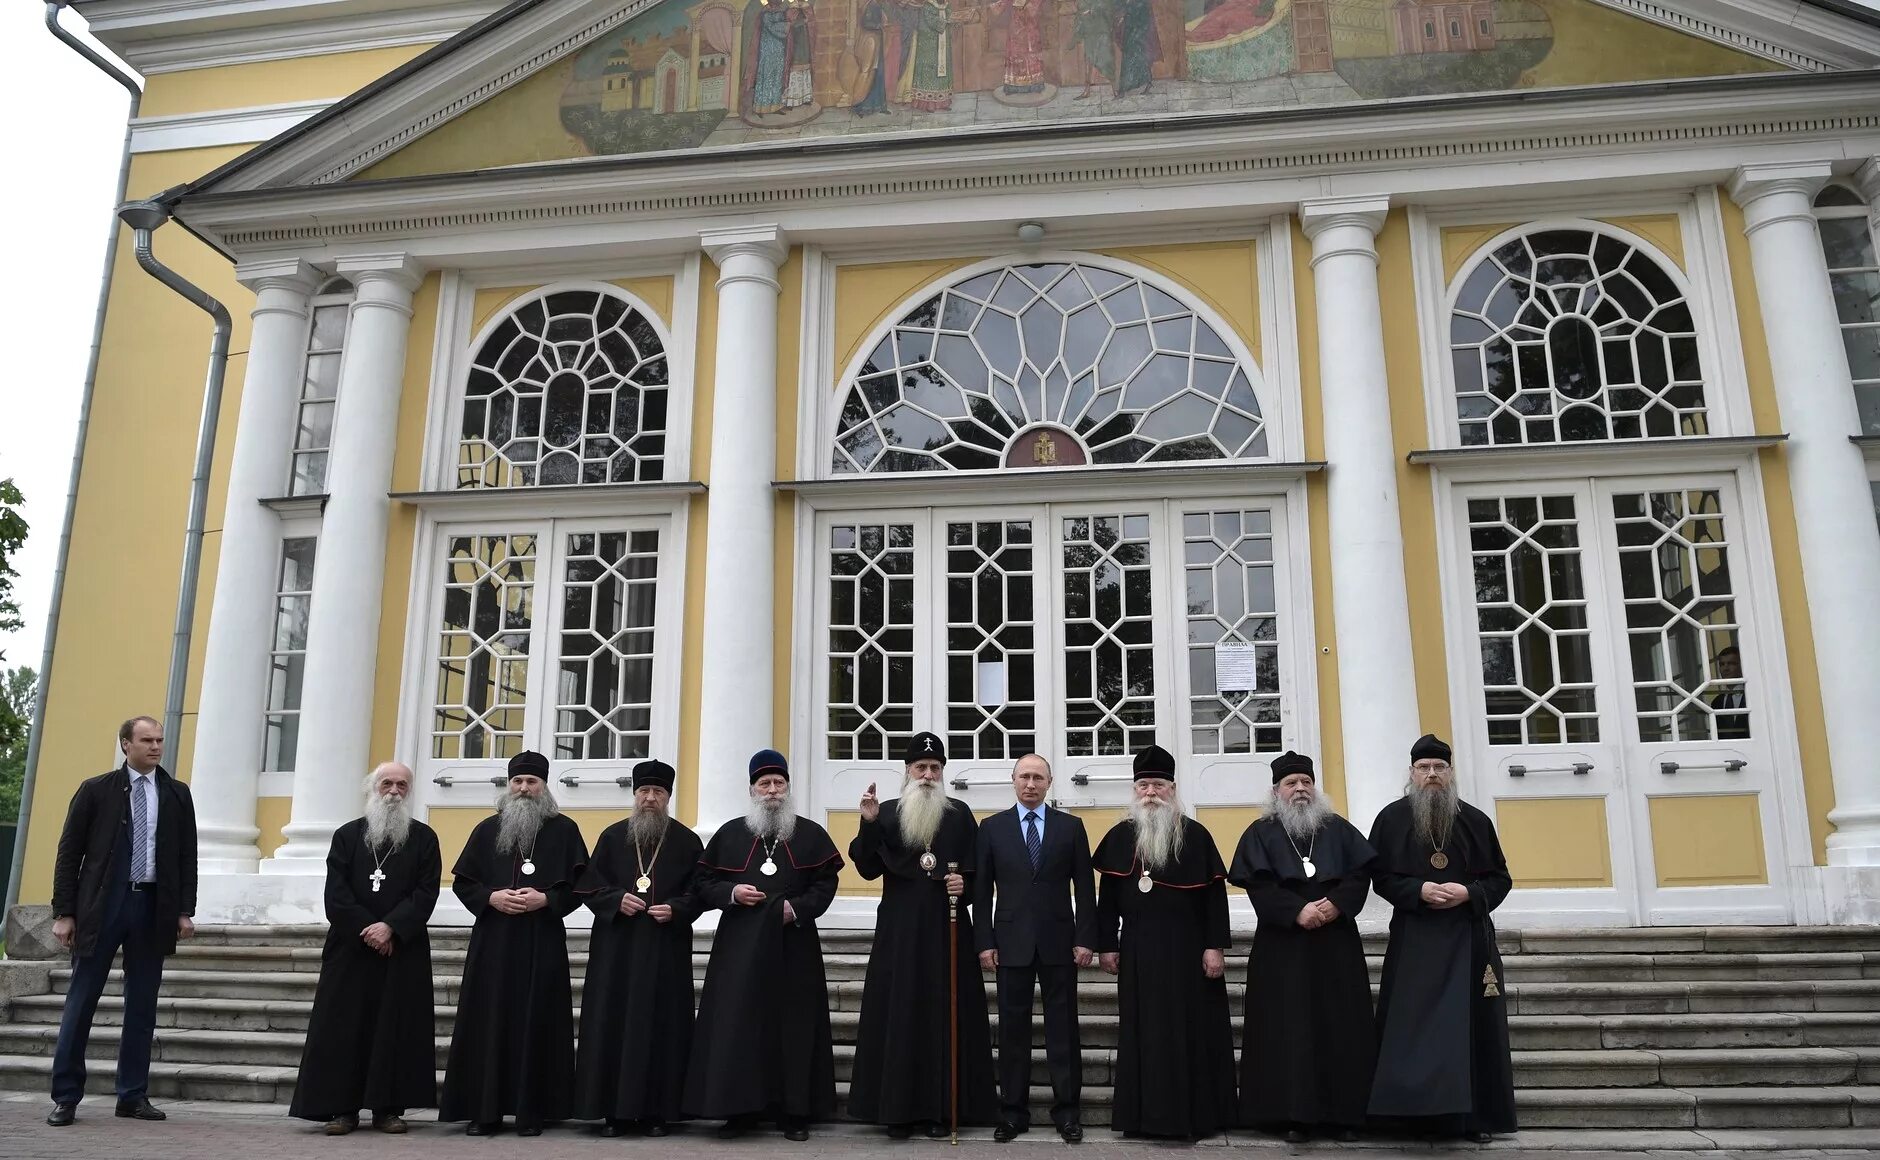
53,7
144,218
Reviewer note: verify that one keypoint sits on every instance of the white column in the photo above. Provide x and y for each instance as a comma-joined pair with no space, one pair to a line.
1370,600
349,575
225,768
1833,507
735,683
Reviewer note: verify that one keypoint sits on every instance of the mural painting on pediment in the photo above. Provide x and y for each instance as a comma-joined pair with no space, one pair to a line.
699,73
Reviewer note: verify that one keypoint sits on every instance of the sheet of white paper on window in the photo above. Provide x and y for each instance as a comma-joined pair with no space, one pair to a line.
1235,668
991,684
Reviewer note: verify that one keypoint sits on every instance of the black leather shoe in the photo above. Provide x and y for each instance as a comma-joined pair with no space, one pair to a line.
62,1114
1297,1135
1347,1135
1009,1130
476,1129
795,1129
900,1131
653,1128
528,1129
1479,1137
139,1109
1072,1131
734,1127
937,1130
612,1128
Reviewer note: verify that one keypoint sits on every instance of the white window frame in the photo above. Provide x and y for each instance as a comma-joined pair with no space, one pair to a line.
509,511
458,337
280,782
1607,463
1864,212
295,452
1705,283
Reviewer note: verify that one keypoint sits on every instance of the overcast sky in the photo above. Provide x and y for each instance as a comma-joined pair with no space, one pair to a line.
67,120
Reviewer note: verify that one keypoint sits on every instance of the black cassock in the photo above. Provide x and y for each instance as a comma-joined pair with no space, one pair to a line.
1175,1043
902,1071
512,1050
762,1045
636,1006
371,1040
1442,1014
1309,1043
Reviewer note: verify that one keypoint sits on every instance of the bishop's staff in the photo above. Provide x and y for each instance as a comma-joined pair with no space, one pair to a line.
953,1001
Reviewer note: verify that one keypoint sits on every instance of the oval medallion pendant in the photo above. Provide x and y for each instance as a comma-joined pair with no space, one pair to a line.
1144,884
928,861
528,866
1311,870
643,884
768,867
1439,860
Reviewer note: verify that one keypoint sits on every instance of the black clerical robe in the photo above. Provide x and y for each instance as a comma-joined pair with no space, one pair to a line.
636,1006
762,1045
1175,1041
371,1038
1442,1013
512,1049
902,1070
1308,1044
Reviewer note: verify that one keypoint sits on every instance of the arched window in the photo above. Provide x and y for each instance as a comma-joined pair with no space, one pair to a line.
569,388
1052,364
1847,241
1565,335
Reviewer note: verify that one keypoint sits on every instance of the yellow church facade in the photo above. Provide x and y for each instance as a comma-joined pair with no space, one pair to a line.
632,379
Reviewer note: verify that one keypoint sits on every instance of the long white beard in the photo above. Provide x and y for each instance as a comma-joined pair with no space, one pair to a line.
765,820
1302,822
388,821
647,826
1434,811
923,805
522,817
1159,832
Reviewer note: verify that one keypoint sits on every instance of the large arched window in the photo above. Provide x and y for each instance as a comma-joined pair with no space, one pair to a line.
1847,242
1052,364
569,388
1563,335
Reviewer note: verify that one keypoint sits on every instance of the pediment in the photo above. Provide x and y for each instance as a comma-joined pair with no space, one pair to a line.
555,81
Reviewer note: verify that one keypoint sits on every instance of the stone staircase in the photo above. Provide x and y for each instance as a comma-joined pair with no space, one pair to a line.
1764,1028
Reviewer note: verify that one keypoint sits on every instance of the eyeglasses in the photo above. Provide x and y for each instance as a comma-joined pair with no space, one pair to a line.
1431,767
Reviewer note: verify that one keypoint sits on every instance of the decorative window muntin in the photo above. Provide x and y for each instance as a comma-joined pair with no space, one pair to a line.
485,628
1847,242
287,653
1232,601
1572,334
569,387
1109,634
319,387
1108,358
992,570
871,652
604,670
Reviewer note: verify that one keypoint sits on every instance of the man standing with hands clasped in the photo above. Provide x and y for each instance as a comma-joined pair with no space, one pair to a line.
1034,861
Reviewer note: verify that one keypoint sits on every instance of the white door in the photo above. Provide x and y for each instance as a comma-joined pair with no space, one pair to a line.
1613,670
1083,632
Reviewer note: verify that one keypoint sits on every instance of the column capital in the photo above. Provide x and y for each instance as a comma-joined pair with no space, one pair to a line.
293,275
1779,192
1323,213
1867,180
397,270
746,253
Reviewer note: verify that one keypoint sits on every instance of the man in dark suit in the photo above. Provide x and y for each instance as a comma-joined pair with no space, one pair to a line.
126,877
1035,859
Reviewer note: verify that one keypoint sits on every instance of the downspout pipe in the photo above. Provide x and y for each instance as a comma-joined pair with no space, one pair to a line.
53,8
145,218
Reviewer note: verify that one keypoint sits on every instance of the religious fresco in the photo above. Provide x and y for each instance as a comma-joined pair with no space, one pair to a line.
700,73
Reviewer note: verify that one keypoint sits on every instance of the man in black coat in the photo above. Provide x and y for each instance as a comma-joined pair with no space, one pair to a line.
1035,859
125,877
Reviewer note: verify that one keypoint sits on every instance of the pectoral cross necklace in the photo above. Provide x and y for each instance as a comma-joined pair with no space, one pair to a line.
770,856
1305,859
378,867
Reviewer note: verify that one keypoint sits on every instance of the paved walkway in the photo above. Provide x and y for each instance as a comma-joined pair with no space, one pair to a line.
206,1131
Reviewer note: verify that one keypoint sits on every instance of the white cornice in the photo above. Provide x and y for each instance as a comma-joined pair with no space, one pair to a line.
159,36
1789,32
1606,134
224,127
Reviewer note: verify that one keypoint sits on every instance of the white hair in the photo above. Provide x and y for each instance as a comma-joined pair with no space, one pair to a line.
923,806
1301,822
522,817
388,822
1159,831
767,819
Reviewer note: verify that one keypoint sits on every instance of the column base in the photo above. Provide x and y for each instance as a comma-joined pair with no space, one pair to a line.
1850,894
261,899
303,850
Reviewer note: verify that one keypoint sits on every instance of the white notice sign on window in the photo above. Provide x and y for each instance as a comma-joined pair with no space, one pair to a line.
991,684
1234,668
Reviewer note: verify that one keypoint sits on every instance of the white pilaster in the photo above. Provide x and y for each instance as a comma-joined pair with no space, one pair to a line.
1834,521
349,576
735,683
225,767
1370,599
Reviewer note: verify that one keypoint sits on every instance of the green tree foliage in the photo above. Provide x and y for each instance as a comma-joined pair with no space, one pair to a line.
12,536
17,689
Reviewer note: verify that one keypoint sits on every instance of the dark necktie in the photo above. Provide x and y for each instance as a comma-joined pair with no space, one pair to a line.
1033,843
140,862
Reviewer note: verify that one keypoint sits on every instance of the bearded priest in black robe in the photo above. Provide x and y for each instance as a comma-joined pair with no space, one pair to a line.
1160,881
512,1050
922,845
1308,1043
1442,1016
636,1007
371,1038
762,1048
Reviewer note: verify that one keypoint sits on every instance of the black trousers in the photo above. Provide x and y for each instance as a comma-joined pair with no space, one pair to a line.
130,924
1062,1050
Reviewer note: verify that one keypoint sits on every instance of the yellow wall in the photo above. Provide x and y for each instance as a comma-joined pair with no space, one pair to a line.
1461,242
1225,824
271,817
1555,842
272,82
521,125
692,647
1791,596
